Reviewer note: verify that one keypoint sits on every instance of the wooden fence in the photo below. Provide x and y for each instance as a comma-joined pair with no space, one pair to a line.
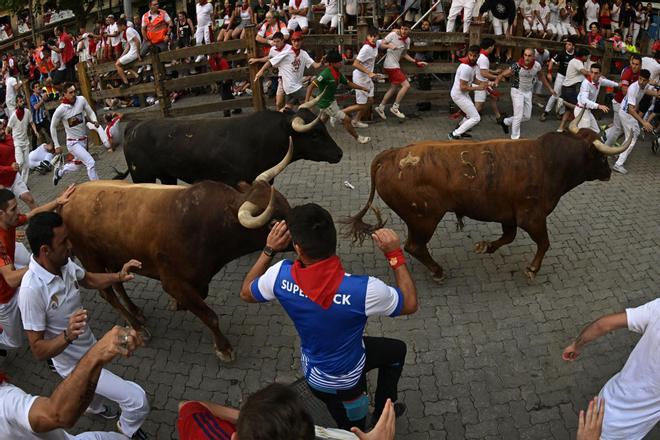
162,85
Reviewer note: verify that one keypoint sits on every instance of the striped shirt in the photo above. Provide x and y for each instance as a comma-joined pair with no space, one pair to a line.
38,114
333,354
523,79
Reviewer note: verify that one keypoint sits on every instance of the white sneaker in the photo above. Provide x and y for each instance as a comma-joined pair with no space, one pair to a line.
620,169
358,124
380,109
395,111
333,121
363,139
199,58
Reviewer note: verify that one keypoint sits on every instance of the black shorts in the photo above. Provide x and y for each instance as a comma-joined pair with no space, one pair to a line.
570,93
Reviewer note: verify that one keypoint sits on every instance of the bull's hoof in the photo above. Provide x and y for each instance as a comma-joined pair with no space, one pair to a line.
531,273
481,247
228,355
174,305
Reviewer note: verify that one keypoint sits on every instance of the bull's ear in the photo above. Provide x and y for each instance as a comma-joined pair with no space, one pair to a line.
243,186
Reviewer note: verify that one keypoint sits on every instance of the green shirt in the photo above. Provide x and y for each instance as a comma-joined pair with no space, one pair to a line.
328,86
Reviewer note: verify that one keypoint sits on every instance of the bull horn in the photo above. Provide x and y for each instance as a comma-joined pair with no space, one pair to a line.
248,209
611,151
299,125
311,103
573,126
270,174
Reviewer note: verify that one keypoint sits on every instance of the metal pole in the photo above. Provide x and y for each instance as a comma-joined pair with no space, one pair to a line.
425,14
340,24
128,10
400,15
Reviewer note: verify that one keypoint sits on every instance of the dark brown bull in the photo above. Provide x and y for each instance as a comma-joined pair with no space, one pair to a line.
516,183
182,235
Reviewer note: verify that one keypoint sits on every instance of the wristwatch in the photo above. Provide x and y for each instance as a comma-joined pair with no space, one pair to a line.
269,251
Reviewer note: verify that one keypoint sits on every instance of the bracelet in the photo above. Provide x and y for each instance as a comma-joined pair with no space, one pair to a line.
395,258
66,338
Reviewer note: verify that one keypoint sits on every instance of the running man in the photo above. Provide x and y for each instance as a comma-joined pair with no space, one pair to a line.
363,75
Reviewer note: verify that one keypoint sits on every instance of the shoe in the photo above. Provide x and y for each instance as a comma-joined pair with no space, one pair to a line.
620,169
363,139
57,177
333,121
544,116
505,128
451,137
380,110
137,435
466,136
395,111
358,124
41,170
47,165
560,130
107,413
51,366
199,58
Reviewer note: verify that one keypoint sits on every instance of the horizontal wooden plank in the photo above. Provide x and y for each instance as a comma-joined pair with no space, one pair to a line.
218,106
100,69
204,49
117,92
439,37
411,69
203,79
329,40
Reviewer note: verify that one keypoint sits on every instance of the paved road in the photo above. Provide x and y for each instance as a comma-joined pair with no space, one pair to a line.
483,350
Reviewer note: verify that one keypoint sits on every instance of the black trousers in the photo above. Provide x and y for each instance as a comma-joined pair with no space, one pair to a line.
388,356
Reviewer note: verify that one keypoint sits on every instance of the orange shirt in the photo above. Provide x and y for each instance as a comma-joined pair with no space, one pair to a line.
7,249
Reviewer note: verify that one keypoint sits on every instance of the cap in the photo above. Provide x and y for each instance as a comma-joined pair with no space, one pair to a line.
110,16
297,36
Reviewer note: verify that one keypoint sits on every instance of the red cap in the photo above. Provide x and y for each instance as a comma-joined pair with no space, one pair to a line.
297,36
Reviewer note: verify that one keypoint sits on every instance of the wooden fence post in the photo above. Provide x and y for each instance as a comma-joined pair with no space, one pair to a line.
86,91
607,58
257,86
159,79
475,34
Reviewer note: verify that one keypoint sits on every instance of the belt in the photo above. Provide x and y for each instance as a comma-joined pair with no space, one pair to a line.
77,139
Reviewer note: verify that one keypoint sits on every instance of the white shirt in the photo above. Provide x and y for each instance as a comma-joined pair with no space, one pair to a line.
573,74
330,7
73,118
541,57
10,91
274,51
527,9
204,13
19,128
15,406
554,13
46,301
393,56
652,66
632,396
56,58
543,12
483,63
114,29
591,10
303,4
40,153
466,73
589,92
131,36
633,96
292,69
615,11
524,79
367,57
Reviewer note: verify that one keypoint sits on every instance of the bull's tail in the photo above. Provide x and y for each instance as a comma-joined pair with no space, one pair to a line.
120,175
355,227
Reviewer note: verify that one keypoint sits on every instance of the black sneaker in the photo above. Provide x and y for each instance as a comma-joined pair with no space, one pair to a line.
47,165
505,128
451,137
51,366
544,116
466,136
107,413
56,177
140,435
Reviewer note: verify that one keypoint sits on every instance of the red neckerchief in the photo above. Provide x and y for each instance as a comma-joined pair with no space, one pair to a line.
335,73
595,84
296,51
319,281
20,112
298,2
521,63
484,52
370,44
3,378
110,125
466,60
404,39
66,100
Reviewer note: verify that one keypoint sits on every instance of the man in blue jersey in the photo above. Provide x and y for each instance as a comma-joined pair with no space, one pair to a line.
330,307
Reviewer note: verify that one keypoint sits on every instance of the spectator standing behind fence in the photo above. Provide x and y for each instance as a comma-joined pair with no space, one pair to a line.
566,14
12,86
457,7
298,15
330,18
185,29
37,107
224,20
131,52
204,11
65,49
155,28
58,74
259,11
615,12
240,19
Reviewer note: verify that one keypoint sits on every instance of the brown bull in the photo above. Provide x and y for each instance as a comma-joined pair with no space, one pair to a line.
182,235
516,183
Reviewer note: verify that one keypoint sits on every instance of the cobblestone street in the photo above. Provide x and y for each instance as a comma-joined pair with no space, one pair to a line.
484,349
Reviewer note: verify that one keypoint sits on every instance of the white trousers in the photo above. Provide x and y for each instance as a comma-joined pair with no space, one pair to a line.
80,153
630,128
456,7
98,435
36,156
12,328
588,120
567,29
500,26
559,81
616,130
203,35
22,153
101,132
130,397
471,118
522,111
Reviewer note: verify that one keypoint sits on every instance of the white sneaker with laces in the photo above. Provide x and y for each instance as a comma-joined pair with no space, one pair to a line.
363,139
396,112
620,169
358,124
380,110
333,121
